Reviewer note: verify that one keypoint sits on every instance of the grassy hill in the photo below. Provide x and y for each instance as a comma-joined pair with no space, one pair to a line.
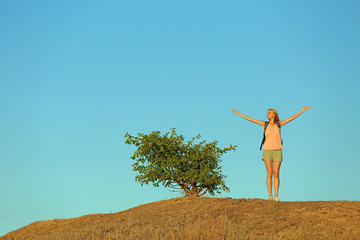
208,218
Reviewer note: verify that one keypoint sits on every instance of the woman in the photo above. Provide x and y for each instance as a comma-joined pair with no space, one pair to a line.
272,153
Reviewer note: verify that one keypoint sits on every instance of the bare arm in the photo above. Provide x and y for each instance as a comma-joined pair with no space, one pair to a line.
261,123
295,116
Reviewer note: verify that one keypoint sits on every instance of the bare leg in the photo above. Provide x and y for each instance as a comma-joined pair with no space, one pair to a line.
276,177
269,171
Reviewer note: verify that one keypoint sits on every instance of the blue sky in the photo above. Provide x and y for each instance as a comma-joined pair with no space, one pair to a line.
75,76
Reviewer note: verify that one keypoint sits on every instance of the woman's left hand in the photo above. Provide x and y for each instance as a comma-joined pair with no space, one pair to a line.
306,108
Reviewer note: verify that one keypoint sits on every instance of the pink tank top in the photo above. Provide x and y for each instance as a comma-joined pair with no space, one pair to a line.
272,138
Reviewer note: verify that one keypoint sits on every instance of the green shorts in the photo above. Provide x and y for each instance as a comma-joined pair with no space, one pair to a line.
272,155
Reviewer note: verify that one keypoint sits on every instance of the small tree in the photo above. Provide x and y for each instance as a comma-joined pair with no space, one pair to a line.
186,166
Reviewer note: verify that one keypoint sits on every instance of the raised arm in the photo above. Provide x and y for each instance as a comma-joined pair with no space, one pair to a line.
295,116
261,123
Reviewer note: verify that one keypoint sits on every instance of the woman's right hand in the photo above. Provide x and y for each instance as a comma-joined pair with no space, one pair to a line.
261,123
235,111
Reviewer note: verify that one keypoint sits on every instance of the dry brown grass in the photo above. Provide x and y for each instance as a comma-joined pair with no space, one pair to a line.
207,218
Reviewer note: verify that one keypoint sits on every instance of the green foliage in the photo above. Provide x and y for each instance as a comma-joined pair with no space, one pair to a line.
171,161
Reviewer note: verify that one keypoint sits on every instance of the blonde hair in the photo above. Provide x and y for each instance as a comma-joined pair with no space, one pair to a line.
276,114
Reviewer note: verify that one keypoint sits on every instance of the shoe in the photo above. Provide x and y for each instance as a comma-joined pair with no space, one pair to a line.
271,198
277,199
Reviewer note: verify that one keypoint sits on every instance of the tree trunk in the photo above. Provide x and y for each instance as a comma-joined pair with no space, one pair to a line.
191,191
191,194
